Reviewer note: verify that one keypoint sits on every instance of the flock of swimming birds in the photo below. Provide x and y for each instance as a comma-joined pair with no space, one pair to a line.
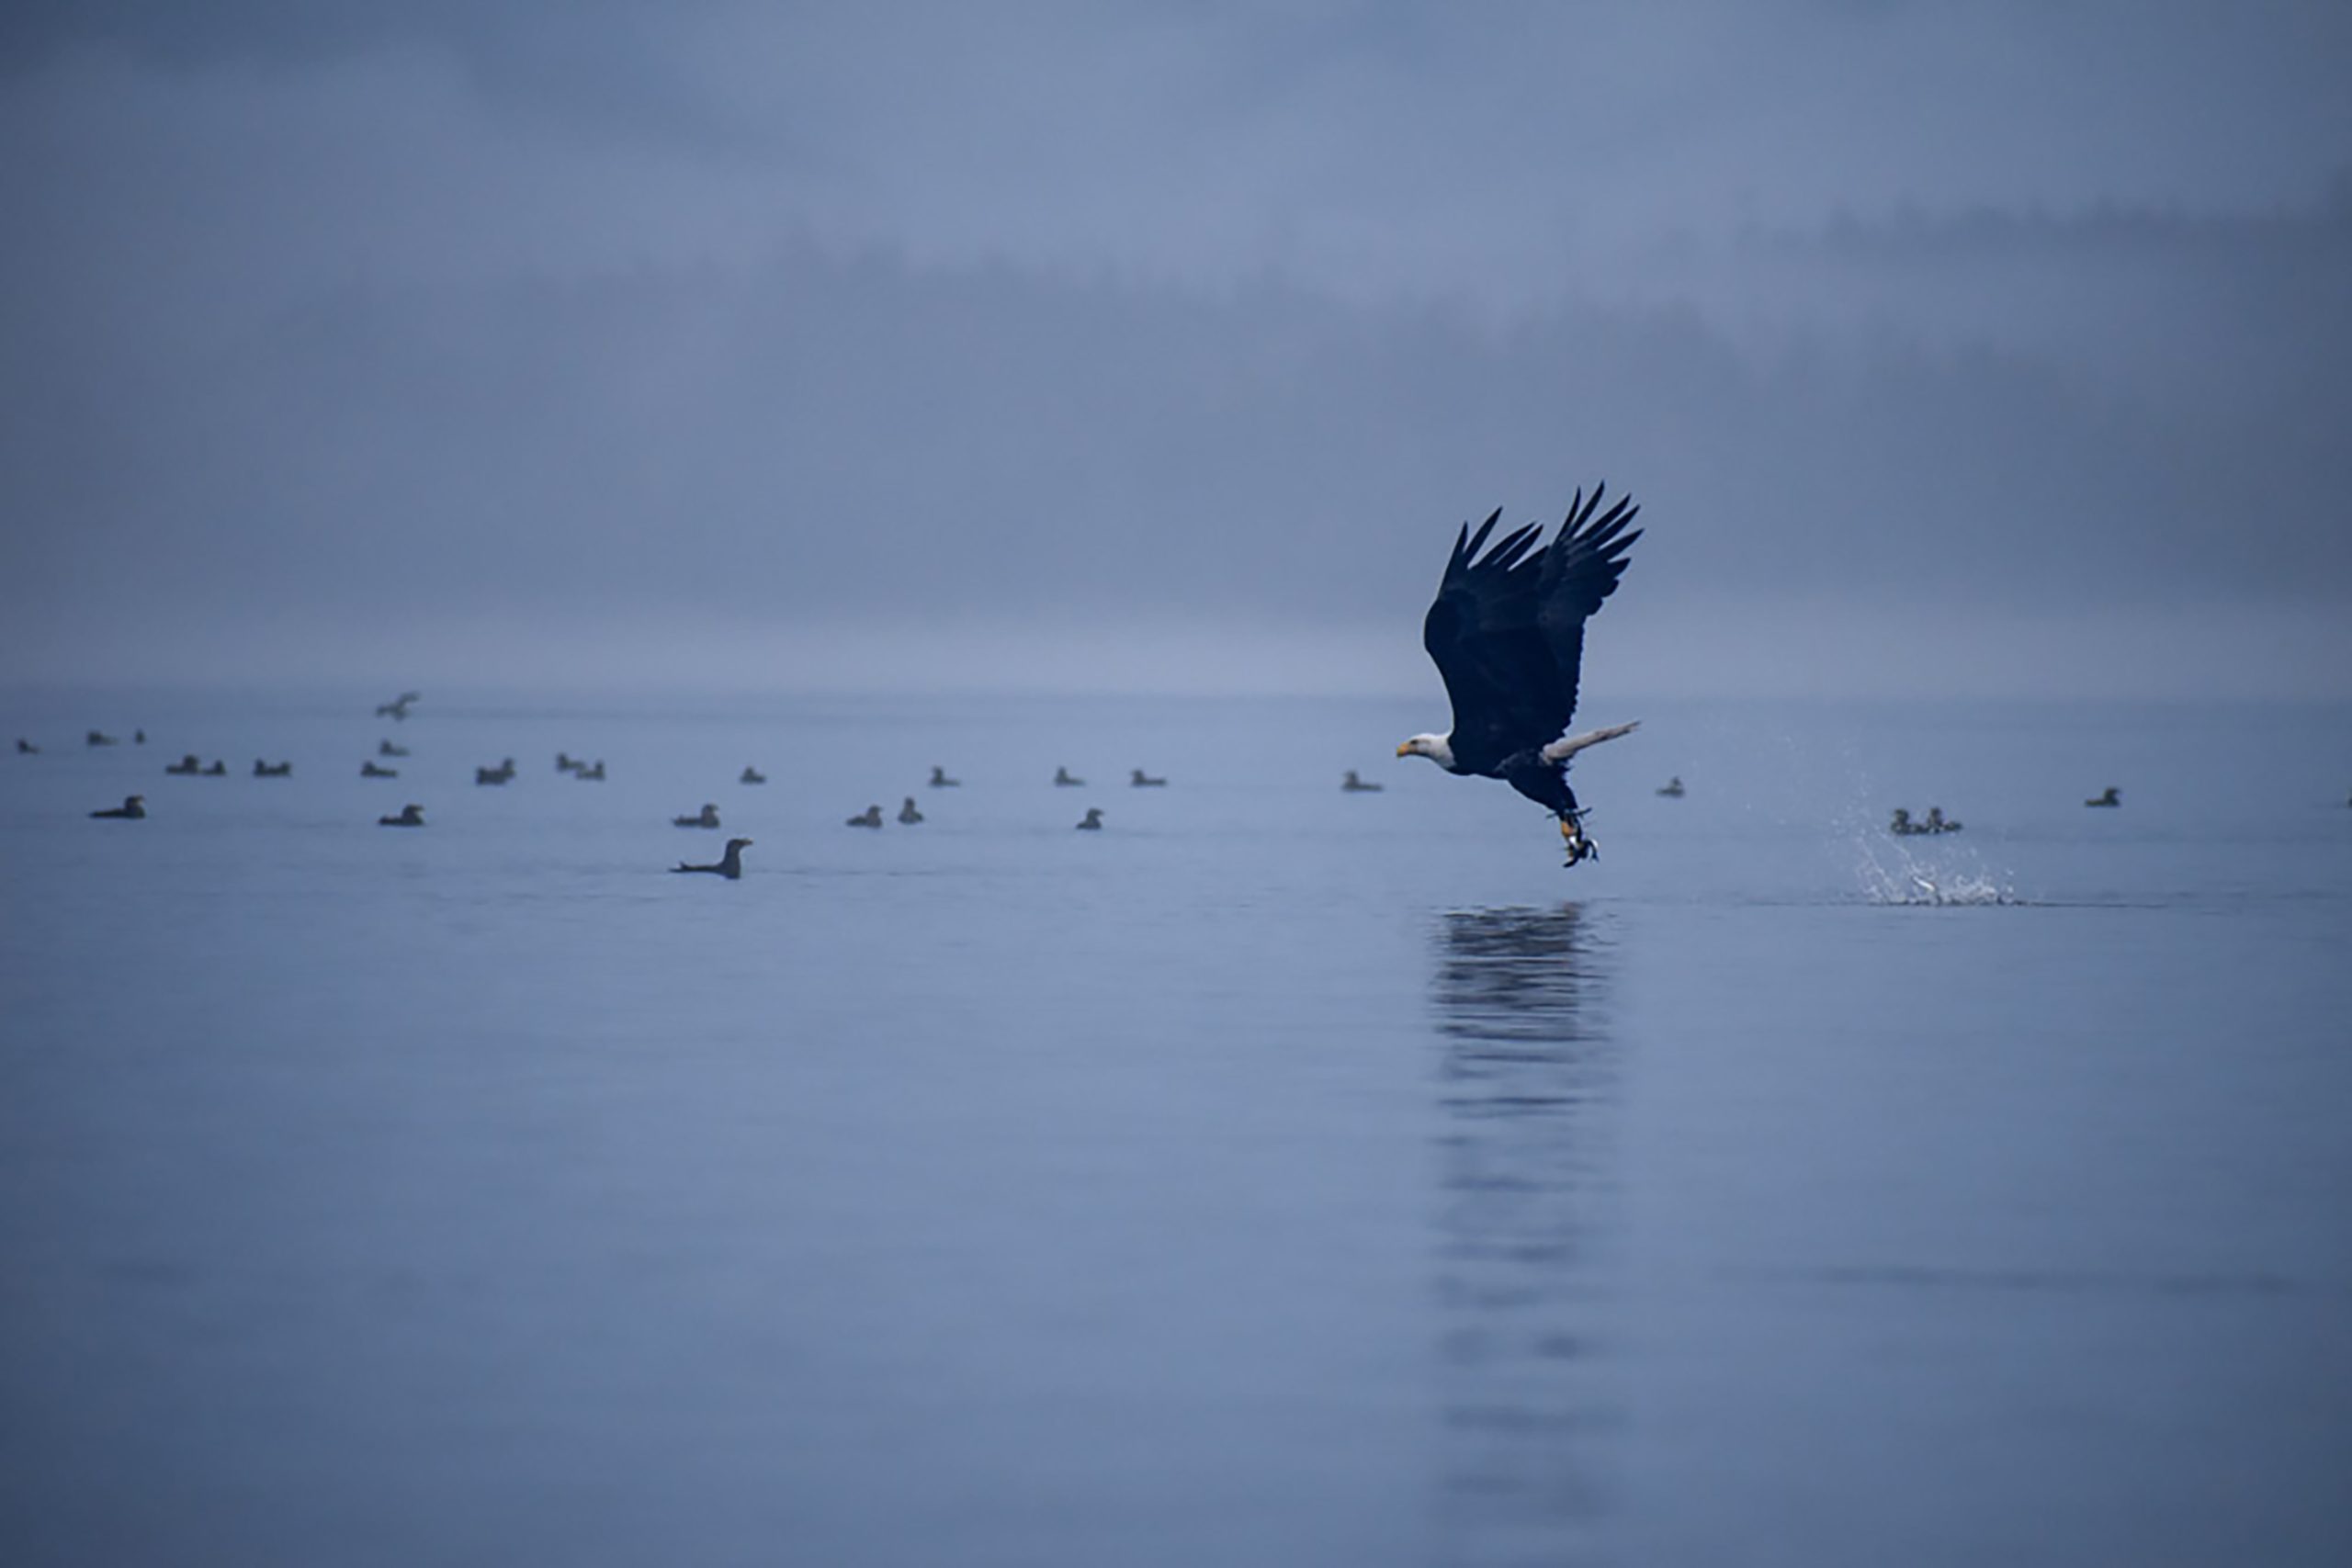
730,862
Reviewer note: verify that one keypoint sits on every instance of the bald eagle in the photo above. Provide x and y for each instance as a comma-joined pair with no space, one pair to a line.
1506,633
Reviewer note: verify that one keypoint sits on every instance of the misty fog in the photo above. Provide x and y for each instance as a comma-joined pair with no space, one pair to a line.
1073,347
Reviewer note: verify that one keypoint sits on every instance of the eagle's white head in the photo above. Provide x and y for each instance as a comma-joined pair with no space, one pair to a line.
1436,748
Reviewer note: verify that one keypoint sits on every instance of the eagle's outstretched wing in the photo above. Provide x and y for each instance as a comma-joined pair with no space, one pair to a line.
1481,633
1581,570
1507,629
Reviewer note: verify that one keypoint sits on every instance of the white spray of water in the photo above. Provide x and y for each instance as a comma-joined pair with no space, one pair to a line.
1939,872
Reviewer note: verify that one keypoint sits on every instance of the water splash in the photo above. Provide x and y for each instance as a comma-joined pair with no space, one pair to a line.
1934,871
1891,872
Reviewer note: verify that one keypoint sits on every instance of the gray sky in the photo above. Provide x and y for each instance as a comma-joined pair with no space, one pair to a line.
1986,348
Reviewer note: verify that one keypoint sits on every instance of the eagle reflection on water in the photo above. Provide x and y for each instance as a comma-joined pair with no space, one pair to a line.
1526,1086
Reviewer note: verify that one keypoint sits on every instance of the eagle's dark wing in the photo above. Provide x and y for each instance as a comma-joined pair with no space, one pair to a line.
1482,635
1581,570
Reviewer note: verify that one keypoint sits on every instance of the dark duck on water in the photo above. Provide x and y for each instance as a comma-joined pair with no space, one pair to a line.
729,866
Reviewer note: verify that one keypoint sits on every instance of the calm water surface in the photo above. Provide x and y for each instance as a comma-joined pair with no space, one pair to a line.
1276,1177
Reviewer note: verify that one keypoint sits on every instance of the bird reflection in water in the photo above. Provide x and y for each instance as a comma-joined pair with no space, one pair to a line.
1526,1086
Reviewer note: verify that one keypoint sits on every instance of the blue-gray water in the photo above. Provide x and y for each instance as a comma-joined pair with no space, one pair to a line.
1276,1177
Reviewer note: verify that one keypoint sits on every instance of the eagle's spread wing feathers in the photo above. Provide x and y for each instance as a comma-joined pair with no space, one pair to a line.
1581,570
1481,633
1507,628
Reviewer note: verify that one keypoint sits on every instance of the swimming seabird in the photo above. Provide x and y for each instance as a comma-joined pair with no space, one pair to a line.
908,814
731,864
1354,786
219,770
2111,796
386,748
1506,632
369,770
1062,777
1138,779
25,747
187,765
707,818
410,816
1672,788
398,706
594,775
100,738
134,806
497,775
752,776
869,818
1094,818
939,779
272,769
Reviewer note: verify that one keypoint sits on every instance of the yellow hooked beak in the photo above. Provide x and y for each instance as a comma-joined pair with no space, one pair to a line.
1404,748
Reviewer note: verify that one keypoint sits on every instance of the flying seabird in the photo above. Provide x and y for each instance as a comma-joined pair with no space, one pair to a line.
869,818
1093,819
731,864
133,806
410,816
397,707
1506,632
908,814
707,818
